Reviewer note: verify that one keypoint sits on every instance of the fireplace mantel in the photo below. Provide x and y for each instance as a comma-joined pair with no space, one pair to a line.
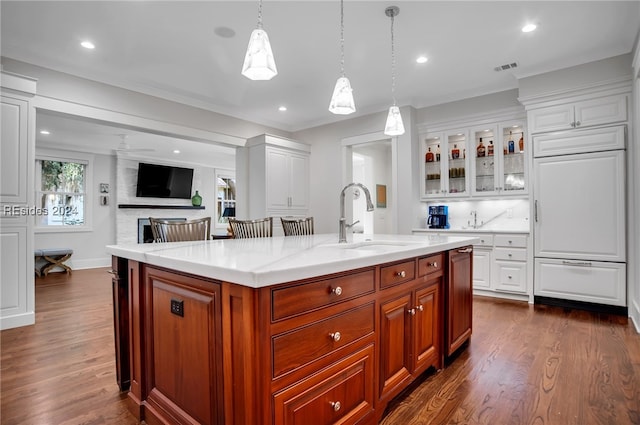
163,207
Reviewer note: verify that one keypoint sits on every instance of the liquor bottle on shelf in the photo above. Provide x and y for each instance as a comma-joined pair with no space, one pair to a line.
480,150
429,156
521,143
455,152
438,153
490,148
510,148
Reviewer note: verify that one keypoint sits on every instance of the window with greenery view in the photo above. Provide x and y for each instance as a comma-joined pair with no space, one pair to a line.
61,192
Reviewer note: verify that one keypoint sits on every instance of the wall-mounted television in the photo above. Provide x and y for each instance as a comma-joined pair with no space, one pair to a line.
163,181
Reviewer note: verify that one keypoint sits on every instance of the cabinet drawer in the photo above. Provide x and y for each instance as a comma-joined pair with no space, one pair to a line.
397,273
287,302
516,241
485,240
512,277
429,265
342,393
514,254
308,343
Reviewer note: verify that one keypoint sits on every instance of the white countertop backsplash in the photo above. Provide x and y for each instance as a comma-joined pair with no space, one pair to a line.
498,216
259,262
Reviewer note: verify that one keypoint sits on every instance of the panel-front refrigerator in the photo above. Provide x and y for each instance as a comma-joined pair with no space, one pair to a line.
579,215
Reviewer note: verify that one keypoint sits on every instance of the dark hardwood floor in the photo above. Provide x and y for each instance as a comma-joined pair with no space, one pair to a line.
524,365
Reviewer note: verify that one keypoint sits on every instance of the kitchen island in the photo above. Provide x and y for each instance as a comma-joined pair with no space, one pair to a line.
285,330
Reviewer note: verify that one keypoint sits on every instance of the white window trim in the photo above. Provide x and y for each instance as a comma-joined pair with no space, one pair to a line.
79,157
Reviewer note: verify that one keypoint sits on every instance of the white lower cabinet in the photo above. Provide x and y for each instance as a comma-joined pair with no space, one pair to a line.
481,268
588,281
500,264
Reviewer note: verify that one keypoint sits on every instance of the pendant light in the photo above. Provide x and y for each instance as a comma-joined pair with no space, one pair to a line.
258,62
342,100
394,125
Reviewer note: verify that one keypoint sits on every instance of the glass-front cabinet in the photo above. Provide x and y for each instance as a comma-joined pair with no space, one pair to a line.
485,158
499,164
445,164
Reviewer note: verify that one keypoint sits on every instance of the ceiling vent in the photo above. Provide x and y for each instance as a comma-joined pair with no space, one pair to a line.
506,66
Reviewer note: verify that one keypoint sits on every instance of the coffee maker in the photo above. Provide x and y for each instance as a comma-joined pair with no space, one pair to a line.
438,217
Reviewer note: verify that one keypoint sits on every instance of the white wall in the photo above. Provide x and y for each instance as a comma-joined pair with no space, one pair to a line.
327,179
88,247
634,179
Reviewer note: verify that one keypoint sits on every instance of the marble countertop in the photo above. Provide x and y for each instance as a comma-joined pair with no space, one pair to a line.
262,262
471,231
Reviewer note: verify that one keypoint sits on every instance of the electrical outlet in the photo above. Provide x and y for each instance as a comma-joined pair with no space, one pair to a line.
177,307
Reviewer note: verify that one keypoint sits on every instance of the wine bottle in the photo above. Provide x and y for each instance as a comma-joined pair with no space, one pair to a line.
511,144
490,148
438,153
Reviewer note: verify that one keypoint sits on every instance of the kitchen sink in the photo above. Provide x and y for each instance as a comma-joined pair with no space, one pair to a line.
379,246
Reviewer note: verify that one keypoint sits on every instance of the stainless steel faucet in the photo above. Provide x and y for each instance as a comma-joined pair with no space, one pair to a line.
343,220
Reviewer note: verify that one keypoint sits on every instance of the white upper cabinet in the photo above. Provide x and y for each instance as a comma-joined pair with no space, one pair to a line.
474,160
445,164
278,177
586,113
14,162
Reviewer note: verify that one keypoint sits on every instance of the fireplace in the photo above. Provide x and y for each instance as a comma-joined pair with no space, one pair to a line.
145,235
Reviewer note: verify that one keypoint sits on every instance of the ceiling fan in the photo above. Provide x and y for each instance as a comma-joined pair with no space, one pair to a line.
124,147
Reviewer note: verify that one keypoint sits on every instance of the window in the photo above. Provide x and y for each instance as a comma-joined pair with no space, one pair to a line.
61,186
226,198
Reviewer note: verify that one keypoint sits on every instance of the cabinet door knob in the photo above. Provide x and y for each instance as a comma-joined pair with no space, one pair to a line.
337,290
335,336
510,255
434,264
336,405
577,123
510,242
412,311
510,277
401,274
419,307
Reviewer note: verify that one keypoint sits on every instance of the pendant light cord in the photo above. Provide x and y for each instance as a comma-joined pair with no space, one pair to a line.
393,64
342,37
260,14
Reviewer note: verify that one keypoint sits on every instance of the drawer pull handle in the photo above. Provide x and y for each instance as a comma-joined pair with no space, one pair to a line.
434,264
335,336
401,274
419,307
510,277
337,290
412,311
510,255
336,405
577,263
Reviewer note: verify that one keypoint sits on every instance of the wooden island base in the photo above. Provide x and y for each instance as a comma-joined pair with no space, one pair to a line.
330,349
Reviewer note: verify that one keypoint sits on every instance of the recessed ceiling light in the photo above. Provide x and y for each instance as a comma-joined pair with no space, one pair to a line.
45,132
176,151
529,27
282,108
422,59
88,45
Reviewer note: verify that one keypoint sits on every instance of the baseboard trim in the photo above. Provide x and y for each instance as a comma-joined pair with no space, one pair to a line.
582,305
92,263
18,320
634,314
